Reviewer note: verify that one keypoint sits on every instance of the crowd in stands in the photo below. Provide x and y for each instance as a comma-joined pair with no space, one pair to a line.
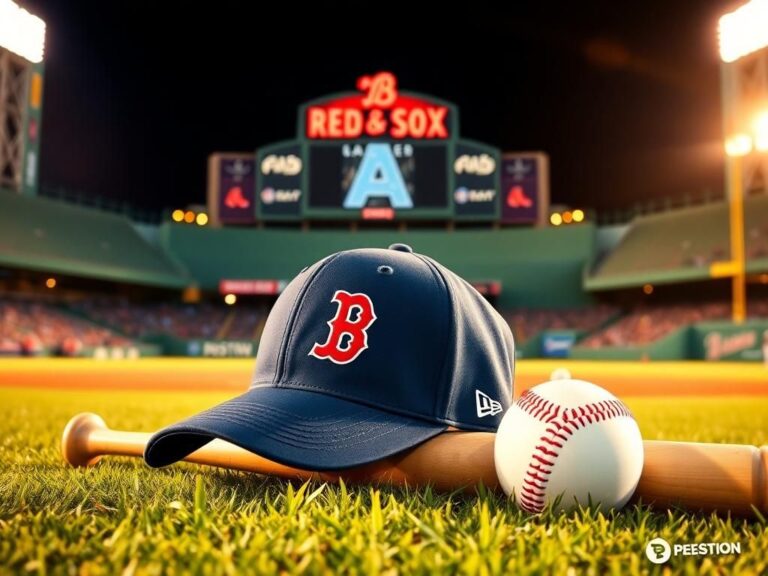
247,324
757,242
650,323
527,323
32,327
138,320
185,321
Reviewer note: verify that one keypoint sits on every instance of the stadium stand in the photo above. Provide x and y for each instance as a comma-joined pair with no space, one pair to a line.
51,236
648,324
185,321
31,326
140,320
526,324
680,245
246,324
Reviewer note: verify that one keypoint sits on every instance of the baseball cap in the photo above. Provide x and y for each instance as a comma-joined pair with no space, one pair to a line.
365,354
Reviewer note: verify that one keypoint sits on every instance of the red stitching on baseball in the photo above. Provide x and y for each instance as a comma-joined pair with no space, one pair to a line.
542,460
532,487
536,477
530,499
547,451
551,442
556,433
530,505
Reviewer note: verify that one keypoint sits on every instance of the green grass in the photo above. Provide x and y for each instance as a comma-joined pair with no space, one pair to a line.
121,517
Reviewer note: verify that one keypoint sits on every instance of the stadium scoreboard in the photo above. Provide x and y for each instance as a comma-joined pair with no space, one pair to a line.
377,153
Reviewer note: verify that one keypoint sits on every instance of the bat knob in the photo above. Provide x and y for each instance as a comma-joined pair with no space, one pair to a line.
74,441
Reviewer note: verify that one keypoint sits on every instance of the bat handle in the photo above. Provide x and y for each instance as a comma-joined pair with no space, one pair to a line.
87,437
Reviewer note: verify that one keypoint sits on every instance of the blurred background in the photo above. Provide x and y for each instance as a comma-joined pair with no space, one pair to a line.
599,172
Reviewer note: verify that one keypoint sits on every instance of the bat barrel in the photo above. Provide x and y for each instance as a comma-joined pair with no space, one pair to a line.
709,477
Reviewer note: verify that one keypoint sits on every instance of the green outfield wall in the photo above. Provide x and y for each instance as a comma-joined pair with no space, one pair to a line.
727,341
537,267
675,346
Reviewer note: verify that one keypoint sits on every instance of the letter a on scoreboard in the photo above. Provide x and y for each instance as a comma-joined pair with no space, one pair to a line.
379,176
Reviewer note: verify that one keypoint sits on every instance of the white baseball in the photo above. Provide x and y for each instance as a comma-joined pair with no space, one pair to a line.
569,438
560,374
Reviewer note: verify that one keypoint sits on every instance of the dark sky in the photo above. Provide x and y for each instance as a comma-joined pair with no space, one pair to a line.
624,96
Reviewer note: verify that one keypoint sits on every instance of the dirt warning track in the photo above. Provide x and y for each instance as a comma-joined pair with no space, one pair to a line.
621,378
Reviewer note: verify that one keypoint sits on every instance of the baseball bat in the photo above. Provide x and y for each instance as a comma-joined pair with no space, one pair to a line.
695,476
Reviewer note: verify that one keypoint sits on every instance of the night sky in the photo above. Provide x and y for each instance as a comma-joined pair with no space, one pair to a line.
623,96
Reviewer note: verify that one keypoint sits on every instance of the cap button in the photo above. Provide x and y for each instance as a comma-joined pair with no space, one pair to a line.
401,248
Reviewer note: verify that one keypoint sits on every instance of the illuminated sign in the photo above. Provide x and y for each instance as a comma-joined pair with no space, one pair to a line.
289,164
252,287
231,188
378,176
482,164
348,180
475,194
378,110
280,181
524,188
378,153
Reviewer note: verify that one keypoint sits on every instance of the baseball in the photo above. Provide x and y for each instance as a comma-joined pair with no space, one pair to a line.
568,438
560,374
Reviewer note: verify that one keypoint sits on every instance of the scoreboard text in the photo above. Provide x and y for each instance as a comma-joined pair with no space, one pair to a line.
376,153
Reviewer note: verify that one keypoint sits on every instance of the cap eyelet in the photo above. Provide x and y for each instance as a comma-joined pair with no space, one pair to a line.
386,270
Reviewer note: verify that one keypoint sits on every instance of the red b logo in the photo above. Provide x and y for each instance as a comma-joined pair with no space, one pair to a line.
343,325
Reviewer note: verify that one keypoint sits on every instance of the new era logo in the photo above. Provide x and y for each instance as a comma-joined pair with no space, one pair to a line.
486,406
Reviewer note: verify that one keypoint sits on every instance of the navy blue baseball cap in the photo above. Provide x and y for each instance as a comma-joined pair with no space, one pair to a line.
365,354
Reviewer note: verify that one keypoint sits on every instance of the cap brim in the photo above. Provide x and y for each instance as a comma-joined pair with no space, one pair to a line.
296,428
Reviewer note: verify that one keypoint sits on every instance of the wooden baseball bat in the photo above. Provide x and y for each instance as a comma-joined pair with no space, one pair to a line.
708,477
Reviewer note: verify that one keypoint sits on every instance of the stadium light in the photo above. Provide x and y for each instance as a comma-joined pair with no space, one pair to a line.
21,32
567,217
50,283
202,219
555,219
738,145
230,299
761,130
648,289
744,30
177,215
189,217
578,215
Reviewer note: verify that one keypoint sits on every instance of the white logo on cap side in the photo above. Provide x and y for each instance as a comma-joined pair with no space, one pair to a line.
486,406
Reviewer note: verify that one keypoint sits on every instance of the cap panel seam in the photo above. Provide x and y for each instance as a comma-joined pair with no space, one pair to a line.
450,334
288,334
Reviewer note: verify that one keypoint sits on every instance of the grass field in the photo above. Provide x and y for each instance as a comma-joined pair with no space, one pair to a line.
121,517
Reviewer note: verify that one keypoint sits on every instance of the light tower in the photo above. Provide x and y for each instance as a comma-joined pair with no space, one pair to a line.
22,42
743,36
